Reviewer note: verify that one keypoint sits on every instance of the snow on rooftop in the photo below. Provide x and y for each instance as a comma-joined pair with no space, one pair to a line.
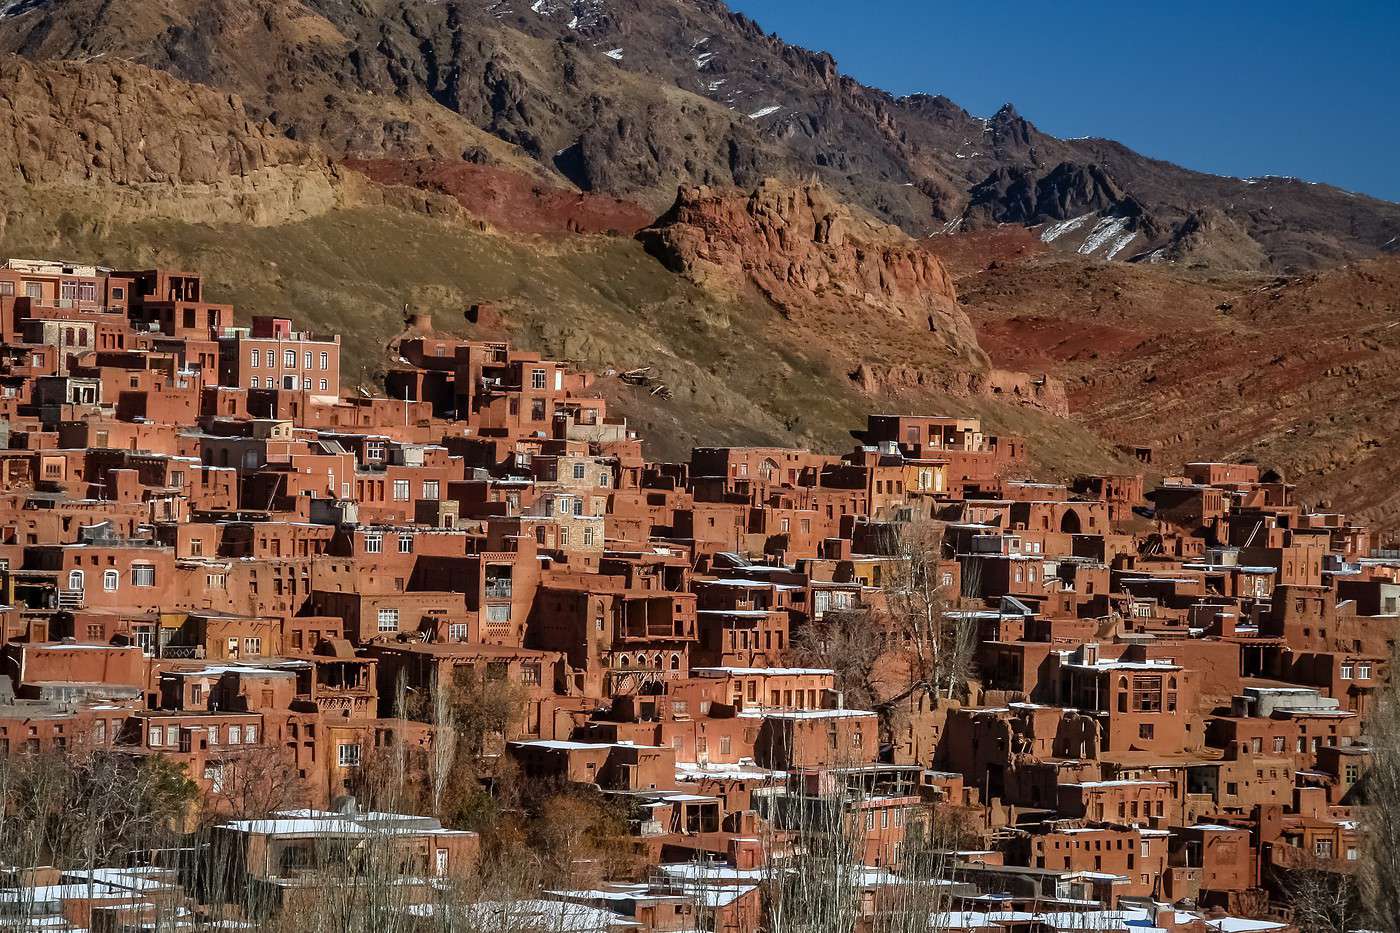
762,671
805,713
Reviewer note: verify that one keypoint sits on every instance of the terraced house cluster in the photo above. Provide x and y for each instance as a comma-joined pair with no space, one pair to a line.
1129,702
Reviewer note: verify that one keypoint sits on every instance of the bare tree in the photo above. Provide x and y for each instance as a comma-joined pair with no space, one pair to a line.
1324,897
258,781
1380,875
848,644
932,640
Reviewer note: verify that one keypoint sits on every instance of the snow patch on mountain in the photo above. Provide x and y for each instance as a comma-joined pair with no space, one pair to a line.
10,8
1053,232
1105,231
764,111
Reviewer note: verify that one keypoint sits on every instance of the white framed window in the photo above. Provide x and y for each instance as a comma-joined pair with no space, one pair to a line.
143,575
498,612
431,489
271,359
579,470
588,536
458,631
110,580
253,359
1363,670
400,490
252,645
347,755
155,736
235,735
405,543
537,379
1346,671
289,359
374,450
374,543
306,382
254,383
605,479
306,360
325,360
388,620
324,385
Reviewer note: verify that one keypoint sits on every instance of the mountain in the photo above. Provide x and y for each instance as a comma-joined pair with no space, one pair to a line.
634,98
1298,372
631,184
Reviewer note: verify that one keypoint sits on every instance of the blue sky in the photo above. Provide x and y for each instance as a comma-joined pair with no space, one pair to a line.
1236,88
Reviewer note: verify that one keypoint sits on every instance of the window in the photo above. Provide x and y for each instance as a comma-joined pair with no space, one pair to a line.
458,631
498,612
289,359
405,542
68,291
1363,670
347,755
271,358
1145,730
530,674
87,291
1322,848
588,536
1278,743
1346,671
430,489
374,542
253,359
563,537
255,384
252,645
324,385
724,744
143,575
235,735
155,736
400,490
34,291
306,360
537,379
110,578
325,360
374,450
1147,694
306,382
388,620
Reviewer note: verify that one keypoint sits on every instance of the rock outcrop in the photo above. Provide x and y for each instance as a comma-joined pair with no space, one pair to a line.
138,141
812,257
